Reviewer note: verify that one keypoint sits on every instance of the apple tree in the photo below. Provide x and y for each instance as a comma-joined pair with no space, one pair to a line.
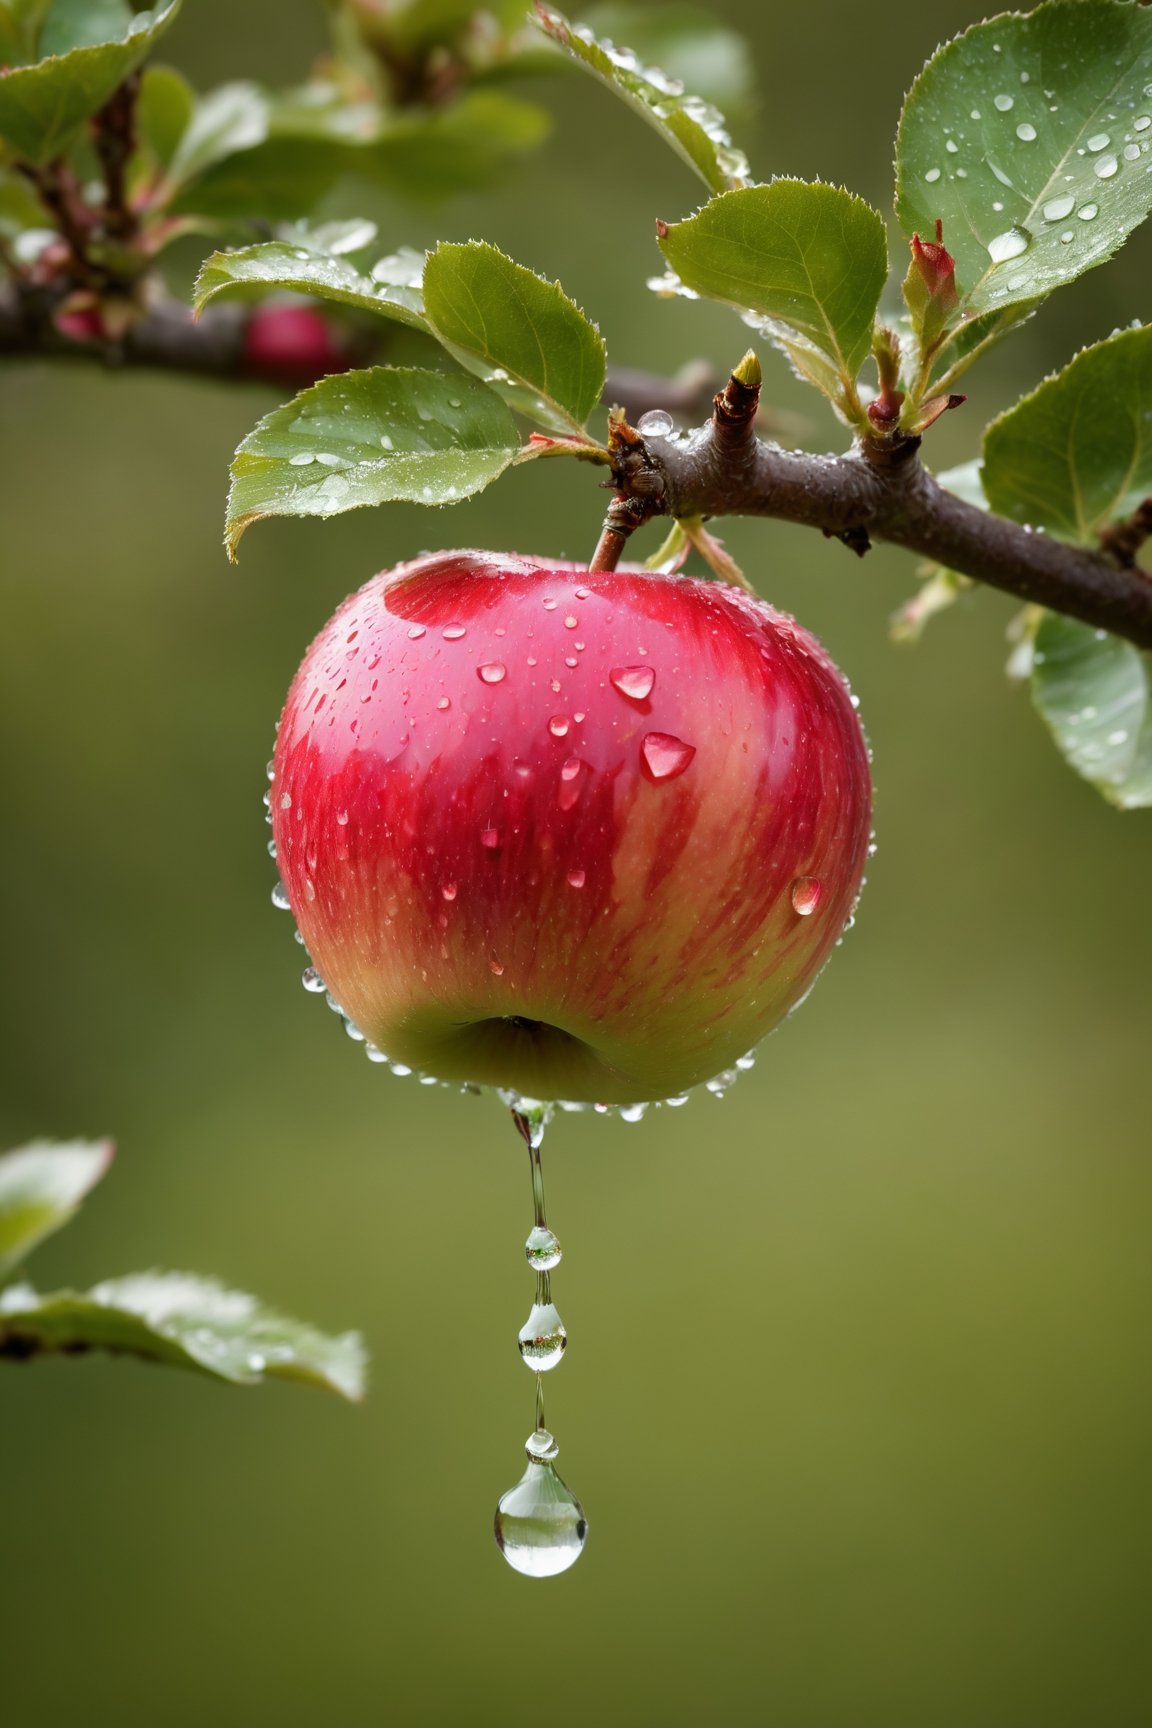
1023,159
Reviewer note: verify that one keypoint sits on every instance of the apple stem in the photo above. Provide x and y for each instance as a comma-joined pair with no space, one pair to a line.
624,516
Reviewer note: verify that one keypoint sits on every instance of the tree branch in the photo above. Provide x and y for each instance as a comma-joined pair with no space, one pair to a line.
883,491
878,491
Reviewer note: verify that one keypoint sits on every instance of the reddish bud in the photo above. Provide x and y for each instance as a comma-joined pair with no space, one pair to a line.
291,344
936,267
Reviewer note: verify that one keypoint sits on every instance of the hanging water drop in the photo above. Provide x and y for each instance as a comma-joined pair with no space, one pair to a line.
540,1525
280,898
542,1249
543,1338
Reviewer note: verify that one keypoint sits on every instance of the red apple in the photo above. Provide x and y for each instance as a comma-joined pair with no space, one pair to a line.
583,836
293,344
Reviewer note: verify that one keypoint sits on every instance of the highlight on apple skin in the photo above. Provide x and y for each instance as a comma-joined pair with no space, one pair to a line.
584,837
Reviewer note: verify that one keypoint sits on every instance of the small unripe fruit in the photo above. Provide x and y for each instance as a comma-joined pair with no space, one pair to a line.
583,836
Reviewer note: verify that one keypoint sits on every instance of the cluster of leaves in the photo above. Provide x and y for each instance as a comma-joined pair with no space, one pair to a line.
1023,158
411,100
176,1318
1025,146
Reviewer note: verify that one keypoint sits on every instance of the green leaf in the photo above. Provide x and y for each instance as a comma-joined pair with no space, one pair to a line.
808,260
19,206
20,22
277,181
43,107
693,128
465,146
1093,690
232,118
521,334
40,1188
372,437
186,1321
83,24
1077,453
276,264
688,43
966,481
1029,136
164,110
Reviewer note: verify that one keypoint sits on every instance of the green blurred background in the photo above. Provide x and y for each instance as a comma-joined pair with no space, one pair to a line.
857,1397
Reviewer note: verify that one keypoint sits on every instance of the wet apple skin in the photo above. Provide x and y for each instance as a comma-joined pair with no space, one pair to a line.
509,870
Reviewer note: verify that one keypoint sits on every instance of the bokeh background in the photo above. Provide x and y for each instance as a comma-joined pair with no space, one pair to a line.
857,1398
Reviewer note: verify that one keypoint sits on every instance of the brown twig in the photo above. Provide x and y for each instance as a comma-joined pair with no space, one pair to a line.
851,496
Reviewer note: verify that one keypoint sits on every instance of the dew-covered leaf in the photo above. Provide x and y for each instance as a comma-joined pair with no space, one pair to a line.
384,435
686,42
276,264
185,1321
521,334
695,129
43,106
1095,693
1076,454
808,260
1029,137
40,1188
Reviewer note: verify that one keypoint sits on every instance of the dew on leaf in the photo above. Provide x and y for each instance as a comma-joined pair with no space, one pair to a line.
1010,244
1105,167
1004,103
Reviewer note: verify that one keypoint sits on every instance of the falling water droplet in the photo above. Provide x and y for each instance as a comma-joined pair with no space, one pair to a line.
540,1525
635,682
665,756
542,1249
806,893
655,424
543,1339
492,673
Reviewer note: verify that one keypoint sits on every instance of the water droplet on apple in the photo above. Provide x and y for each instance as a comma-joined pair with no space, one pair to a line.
540,1525
577,878
416,631
635,682
571,621
558,725
496,967
633,1112
448,890
665,756
550,605
280,898
342,818
543,1339
453,632
312,981
542,1249
806,893
285,800
489,838
444,702
492,673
